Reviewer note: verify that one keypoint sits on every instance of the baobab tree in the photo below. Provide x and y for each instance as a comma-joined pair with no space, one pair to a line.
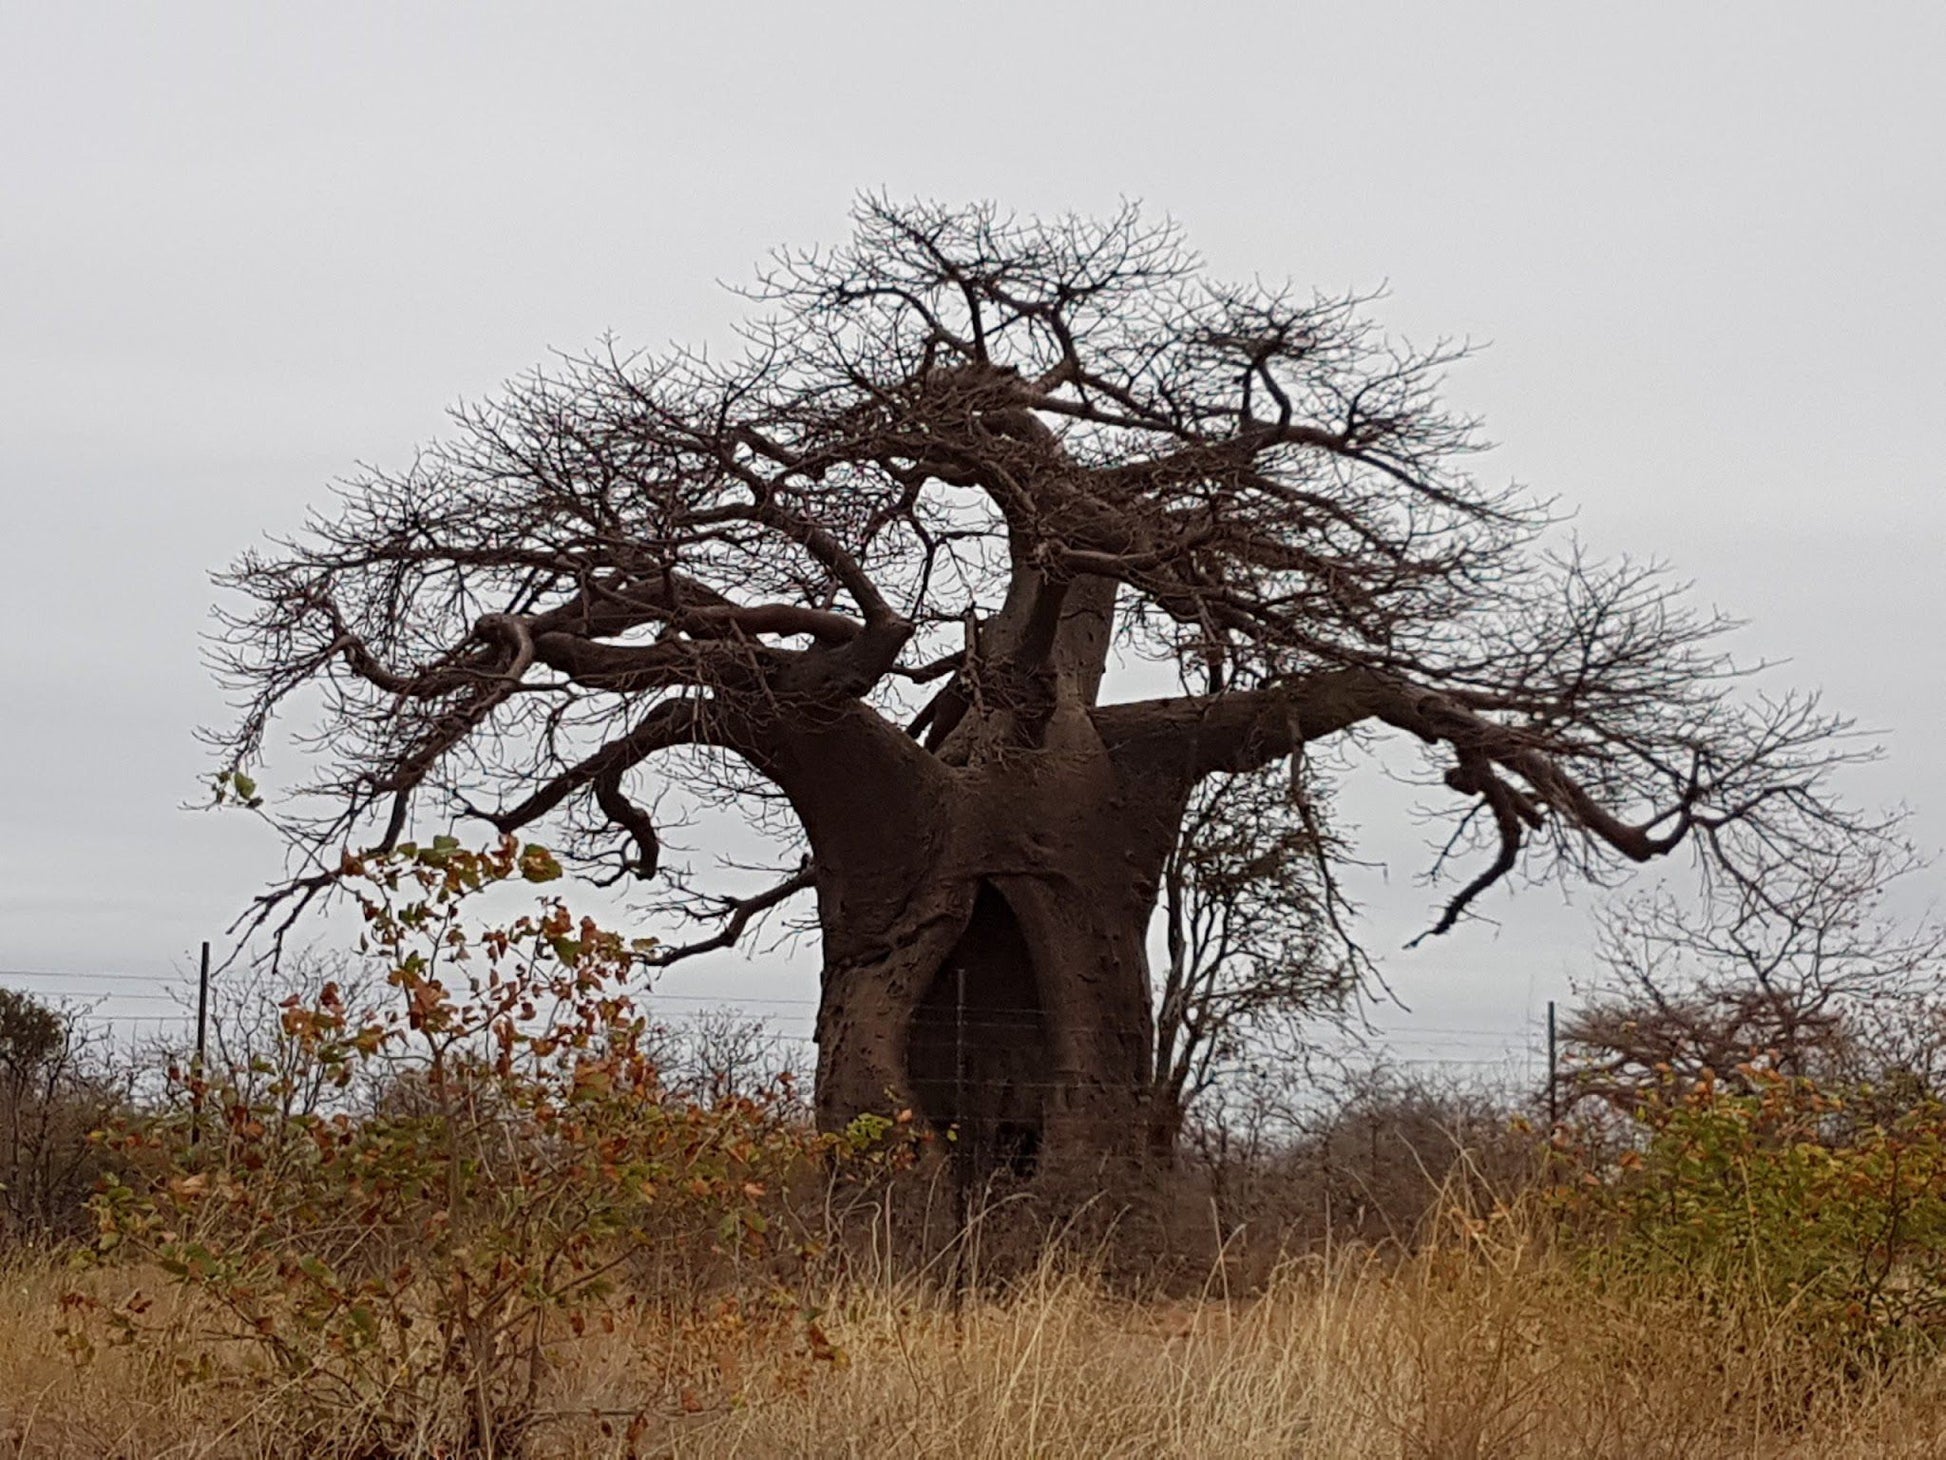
994,541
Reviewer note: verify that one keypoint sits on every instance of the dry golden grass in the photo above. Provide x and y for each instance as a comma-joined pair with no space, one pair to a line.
1484,1352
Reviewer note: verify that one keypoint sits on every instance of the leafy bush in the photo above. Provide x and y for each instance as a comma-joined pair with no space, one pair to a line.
400,1263
56,1090
1774,1197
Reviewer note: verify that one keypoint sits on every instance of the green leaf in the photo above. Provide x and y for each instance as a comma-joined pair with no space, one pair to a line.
537,863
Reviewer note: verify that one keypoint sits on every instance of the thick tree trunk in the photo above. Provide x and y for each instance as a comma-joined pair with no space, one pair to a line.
985,962
985,897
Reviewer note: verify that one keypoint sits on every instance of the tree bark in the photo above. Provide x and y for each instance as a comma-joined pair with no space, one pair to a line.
985,932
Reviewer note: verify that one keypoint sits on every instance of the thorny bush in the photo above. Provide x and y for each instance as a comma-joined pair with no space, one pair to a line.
501,1159
1781,1201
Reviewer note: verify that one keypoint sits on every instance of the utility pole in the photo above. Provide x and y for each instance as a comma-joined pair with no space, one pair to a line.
962,1157
1553,1071
202,1051
960,1117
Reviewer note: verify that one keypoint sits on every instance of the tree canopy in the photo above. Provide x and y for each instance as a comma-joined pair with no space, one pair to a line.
976,489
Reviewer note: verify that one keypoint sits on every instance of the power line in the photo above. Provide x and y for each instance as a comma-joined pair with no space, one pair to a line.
89,976
1435,1046
721,1000
1482,1043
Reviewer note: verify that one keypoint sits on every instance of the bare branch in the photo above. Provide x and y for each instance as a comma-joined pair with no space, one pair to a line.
738,913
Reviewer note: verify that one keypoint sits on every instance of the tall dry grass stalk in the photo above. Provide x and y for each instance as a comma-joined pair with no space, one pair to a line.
1485,1346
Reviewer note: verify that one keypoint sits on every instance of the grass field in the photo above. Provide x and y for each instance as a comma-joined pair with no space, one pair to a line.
1491,1349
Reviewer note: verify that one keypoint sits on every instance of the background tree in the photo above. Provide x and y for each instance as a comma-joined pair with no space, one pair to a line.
1250,936
870,577
57,1087
1803,970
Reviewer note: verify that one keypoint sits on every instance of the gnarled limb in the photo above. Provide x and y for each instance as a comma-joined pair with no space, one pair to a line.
1242,731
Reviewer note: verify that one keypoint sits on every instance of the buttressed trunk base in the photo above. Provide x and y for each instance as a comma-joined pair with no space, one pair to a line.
990,973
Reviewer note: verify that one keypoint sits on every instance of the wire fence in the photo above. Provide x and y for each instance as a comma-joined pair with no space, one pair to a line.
131,1008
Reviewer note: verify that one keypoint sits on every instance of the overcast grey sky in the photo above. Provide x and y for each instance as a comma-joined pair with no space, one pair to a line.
245,246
